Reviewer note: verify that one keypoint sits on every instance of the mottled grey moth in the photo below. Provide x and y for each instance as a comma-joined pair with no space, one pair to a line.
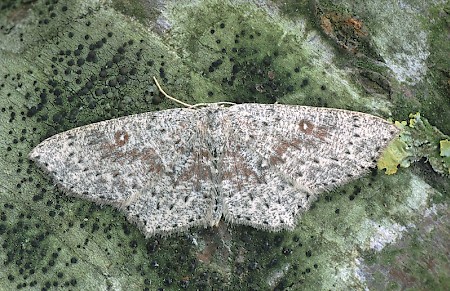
252,164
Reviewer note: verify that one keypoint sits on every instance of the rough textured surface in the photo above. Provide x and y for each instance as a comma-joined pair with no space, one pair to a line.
254,164
65,64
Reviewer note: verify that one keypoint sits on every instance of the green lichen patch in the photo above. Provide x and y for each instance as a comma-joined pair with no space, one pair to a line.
394,155
418,140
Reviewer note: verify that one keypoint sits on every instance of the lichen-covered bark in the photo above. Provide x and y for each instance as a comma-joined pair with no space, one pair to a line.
69,63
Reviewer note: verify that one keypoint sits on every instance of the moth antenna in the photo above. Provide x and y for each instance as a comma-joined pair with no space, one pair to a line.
187,104
170,97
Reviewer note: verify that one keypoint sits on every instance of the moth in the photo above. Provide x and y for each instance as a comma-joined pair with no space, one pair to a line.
260,165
